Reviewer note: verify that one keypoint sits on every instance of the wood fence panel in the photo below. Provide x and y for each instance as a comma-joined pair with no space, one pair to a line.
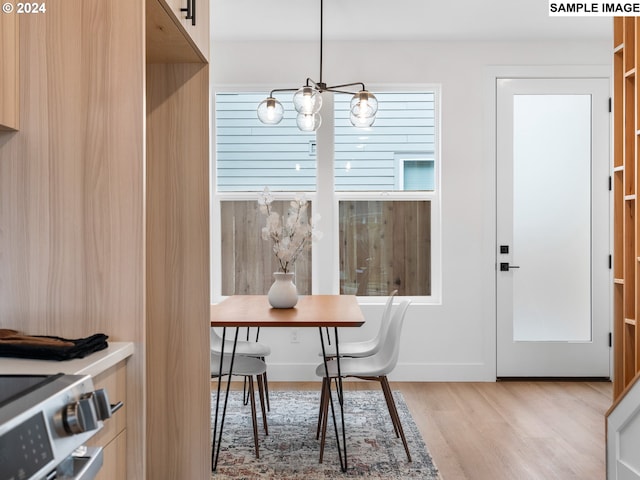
248,261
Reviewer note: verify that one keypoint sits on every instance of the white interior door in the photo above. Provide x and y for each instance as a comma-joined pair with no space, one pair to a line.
552,253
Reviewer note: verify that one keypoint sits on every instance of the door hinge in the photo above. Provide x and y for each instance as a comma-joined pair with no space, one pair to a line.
610,183
610,261
610,339
609,104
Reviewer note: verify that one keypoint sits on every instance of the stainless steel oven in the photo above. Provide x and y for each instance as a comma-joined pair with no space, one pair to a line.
45,421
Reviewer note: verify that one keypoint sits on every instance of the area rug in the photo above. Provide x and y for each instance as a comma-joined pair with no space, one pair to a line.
291,450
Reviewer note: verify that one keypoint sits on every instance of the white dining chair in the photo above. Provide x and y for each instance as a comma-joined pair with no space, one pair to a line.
366,347
249,368
375,367
247,348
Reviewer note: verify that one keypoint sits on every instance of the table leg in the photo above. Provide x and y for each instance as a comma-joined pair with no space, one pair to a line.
215,452
342,448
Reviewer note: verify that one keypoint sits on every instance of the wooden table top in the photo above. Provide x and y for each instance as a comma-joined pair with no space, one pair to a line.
311,311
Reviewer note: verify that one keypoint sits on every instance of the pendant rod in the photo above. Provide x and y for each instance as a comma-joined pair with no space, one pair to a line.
321,37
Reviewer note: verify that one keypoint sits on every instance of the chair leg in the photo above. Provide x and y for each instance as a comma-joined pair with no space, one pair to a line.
393,411
321,409
389,399
245,394
254,419
325,415
266,389
264,413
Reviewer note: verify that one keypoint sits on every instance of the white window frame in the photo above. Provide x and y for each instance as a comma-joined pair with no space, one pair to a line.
326,273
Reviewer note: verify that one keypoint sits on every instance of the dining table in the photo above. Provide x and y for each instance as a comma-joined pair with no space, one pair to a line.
325,312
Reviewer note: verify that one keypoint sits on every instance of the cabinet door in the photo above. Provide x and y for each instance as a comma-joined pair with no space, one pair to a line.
113,436
9,71
114,464
198,34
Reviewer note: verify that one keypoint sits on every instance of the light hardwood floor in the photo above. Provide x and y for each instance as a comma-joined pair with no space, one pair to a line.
507,430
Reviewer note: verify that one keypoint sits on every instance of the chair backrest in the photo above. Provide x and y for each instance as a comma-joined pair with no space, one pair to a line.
214,337
385,319
216,340
387,357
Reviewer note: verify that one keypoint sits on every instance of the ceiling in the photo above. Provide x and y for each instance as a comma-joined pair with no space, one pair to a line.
389,20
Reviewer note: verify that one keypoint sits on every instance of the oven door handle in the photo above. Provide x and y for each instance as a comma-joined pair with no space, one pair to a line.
83,464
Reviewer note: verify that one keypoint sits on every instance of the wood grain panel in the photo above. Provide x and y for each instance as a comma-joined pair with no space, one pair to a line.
310,311
9,72
626,174
114,381
114,454
177,245
198,34
166,38
71,184
113,436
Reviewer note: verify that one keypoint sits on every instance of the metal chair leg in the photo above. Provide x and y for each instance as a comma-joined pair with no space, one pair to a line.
325,416
393,411
323,398
389,399
266,389
264,413
254,418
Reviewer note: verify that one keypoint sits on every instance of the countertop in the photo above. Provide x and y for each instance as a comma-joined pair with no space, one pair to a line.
93,364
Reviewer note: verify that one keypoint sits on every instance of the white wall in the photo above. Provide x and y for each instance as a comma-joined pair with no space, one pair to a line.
453,341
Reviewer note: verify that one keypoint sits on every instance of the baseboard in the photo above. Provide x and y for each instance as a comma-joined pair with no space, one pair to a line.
462,372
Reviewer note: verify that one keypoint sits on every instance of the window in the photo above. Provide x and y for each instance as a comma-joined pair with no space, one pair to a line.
385,246
250,155
246,259
385,197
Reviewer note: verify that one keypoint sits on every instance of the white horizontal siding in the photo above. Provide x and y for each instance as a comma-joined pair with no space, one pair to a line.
250,155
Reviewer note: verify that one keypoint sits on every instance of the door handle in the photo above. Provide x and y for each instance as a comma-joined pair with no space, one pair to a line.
505,267
188,10
191,11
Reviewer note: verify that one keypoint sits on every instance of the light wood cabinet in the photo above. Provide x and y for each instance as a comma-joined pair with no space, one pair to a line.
196,28
9,71
104,214
113,436
625,179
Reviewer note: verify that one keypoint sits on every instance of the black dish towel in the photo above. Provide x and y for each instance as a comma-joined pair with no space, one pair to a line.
41,347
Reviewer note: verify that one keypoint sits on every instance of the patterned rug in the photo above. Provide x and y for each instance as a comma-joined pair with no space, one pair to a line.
291,450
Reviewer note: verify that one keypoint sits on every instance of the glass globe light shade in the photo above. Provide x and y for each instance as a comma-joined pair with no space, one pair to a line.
270,111
361,122
307,100
364,104
308,122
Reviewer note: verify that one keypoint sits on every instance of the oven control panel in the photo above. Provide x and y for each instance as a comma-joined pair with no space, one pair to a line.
25,450
42,427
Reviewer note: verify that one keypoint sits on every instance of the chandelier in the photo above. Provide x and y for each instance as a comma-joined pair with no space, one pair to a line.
307,101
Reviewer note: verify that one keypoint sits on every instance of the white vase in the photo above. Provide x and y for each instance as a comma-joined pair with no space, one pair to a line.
283,293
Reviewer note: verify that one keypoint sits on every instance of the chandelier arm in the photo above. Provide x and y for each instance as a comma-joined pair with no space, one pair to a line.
334,90
282,90
347,85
